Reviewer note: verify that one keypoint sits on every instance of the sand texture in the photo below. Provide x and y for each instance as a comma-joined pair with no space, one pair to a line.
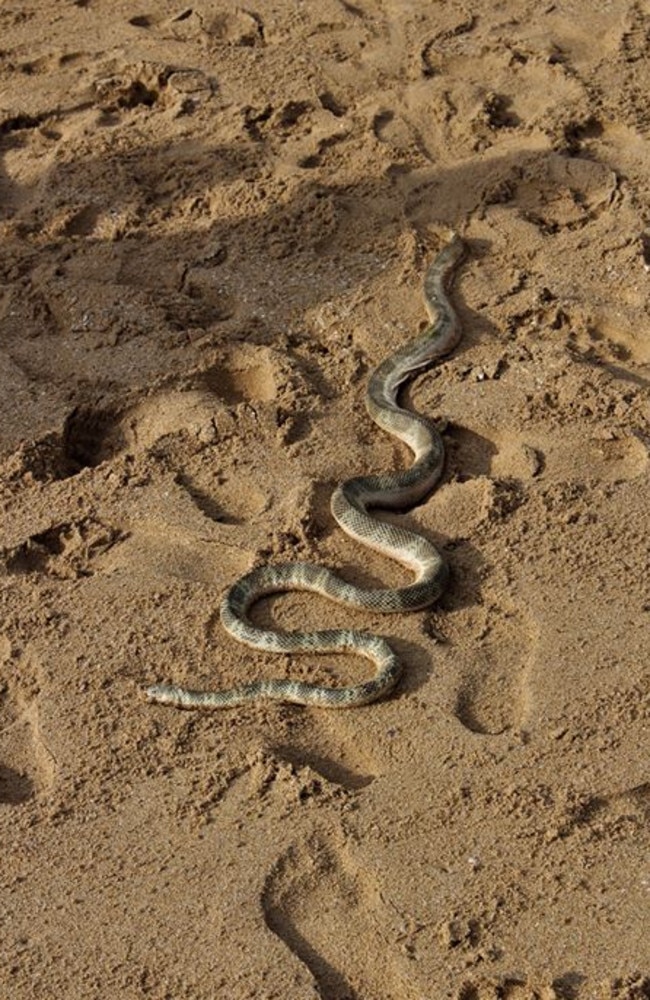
214,223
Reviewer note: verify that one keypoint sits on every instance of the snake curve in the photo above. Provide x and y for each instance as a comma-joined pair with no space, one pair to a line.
350,504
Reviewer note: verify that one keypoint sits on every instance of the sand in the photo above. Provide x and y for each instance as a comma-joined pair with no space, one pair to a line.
215,221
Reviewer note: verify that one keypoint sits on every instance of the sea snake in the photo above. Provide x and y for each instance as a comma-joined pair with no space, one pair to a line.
350,506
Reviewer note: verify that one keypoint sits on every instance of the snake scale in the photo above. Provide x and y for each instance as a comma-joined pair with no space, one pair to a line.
350,506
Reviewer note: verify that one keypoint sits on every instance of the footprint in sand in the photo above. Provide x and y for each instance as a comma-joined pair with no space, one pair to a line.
494,644
209,411
564,454
497,645
603,816
567,455
608,336
312,899
237,27
494,695
27,768
331,748
246,378
66,551
95,435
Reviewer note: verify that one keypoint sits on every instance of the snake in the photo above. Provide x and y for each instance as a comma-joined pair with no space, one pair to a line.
351,503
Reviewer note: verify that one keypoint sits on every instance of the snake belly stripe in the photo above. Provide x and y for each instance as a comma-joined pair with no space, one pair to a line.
350,506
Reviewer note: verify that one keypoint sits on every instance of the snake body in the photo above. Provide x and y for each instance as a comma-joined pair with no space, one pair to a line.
350,506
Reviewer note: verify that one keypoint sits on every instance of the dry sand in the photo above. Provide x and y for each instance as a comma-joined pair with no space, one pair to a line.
215,222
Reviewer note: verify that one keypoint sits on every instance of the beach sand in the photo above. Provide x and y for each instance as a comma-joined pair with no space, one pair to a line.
215,222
